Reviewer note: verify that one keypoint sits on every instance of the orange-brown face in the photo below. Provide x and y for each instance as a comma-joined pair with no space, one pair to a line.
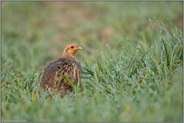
71,49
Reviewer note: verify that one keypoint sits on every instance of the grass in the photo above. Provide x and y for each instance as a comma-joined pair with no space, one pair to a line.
132,73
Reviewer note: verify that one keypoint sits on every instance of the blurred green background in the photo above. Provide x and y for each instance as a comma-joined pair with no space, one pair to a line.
132,60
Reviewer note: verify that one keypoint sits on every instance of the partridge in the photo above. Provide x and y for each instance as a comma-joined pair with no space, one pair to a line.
59,74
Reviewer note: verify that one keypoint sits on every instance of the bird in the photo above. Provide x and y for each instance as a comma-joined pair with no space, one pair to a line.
58,74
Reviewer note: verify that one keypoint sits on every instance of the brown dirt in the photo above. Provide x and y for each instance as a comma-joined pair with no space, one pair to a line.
65,15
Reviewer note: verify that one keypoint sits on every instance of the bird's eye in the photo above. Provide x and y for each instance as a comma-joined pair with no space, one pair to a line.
72,47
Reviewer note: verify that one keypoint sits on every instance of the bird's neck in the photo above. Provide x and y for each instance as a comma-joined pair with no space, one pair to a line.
67,56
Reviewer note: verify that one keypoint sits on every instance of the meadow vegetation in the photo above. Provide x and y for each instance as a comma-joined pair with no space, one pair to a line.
132,61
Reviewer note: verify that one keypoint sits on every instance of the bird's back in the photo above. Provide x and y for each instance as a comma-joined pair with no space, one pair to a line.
54,75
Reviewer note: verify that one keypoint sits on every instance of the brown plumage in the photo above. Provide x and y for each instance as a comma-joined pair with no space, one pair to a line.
56,74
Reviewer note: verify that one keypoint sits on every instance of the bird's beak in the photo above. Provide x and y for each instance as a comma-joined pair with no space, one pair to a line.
79,48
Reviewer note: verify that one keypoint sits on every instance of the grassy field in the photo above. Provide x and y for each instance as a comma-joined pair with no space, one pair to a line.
132,61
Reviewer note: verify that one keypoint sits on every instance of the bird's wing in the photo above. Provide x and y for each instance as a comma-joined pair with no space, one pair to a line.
49,76
55,73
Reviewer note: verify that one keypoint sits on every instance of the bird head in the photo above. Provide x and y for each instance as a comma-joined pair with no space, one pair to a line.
71,49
